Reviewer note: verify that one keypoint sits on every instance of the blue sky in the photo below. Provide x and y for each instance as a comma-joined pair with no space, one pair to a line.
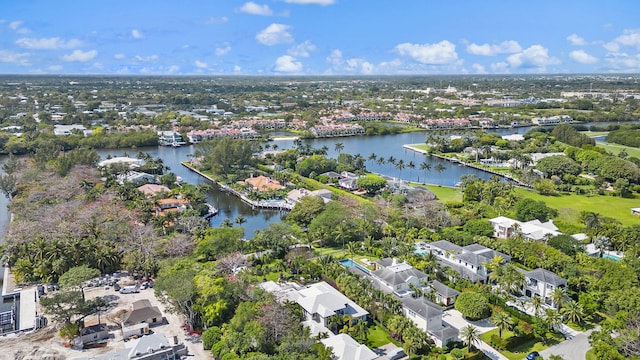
316,37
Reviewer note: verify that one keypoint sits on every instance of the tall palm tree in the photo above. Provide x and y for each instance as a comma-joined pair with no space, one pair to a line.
391,160
400,166
338,147
470,335
381,161
411,165
536,303
573,311
439,168
426,167
502,320
373,157
558,297
552,318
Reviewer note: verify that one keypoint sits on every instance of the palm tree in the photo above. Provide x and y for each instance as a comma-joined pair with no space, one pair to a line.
470,335
381,160
391,160
240,219
426,167
536,303
226,223
558,297
352,247
552,318
338,147
400,166
411,165
573,311
502,320
373,157
439,168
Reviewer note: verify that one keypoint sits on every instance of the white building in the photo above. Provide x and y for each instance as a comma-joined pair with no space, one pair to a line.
534,230
468,261
345,348
427,316
542,283
399,278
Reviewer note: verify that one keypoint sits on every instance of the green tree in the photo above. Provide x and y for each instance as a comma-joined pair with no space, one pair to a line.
77,276
306,210
502,320
218,242
528,209
473,305
372,183
573,311
471,335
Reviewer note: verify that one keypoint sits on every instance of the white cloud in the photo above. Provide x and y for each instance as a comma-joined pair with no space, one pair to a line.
500,68
55,68
536,56
146,58
574,39
288,64
172,69
317,2
201,64
582,57
137,34
256,9
623,62
14,25
479,69
353,65
81,56
237,68
221,51
53,43
440,53
275,34
505,47
12,57
119,56
629,37
302,50
217,20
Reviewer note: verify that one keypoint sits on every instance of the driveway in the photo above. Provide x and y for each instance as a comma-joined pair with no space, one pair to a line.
455,319
572,349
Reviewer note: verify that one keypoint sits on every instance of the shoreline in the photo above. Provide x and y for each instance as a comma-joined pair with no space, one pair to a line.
255,204
462,163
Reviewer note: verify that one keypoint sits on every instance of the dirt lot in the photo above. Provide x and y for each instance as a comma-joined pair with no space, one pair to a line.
46,344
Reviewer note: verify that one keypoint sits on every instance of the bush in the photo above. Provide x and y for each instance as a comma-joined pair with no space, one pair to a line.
211,336
473,305
498,342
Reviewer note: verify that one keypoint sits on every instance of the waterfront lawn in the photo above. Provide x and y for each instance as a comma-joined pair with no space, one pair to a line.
609,206
423,146
445,193
519,351
616,149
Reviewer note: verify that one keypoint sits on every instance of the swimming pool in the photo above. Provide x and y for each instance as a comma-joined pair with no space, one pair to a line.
611,257
351,263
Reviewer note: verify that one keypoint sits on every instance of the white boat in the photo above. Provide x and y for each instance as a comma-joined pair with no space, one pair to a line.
212,211
178,180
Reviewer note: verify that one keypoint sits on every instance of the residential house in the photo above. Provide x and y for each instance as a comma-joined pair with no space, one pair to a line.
135,177
263,183
171,204
427,316
468,261
150,190
66,130
443,294
132,163
320,302
150,347
296,195
542,283
93,334
399,278
143,312
344,347
534,230
348,180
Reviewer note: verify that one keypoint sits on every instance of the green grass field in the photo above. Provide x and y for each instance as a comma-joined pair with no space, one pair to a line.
446,193
616,149
609,206
377,337
519,352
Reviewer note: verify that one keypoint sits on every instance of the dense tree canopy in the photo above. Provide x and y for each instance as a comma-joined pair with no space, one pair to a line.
569,135
529,209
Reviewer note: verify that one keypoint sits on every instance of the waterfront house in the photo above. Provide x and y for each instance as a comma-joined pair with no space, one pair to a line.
542,283
296,195
150,190
469,261
135,177
344,347
263,183
171,204
427,316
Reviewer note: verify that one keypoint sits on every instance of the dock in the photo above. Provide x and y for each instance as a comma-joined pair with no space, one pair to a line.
260,204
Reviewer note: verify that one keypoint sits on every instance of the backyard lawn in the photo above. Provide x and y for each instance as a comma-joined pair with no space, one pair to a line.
520,351
377,337
445,193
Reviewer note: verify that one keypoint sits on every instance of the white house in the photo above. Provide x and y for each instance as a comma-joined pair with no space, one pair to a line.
534,230
427,316
320,302
542,283
398,278
468,261
345,348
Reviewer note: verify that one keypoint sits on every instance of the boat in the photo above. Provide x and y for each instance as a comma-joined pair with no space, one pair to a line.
175,144
212,211
178,180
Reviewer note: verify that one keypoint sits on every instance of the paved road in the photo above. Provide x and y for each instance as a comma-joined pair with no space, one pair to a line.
455,319
572,349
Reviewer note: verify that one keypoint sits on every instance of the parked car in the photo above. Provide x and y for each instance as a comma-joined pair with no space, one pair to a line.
534,355
129,289
40,288
116,287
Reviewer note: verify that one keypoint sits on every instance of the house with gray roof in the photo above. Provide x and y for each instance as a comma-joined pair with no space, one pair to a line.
399,278
427,316
443,294
143,312
150,347
468,261
541,282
